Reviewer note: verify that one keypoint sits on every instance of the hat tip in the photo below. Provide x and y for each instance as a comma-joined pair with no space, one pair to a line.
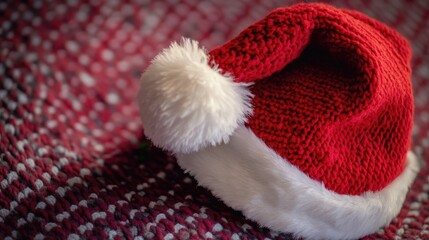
186,104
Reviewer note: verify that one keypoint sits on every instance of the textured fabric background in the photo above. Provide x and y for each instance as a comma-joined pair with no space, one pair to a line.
73,162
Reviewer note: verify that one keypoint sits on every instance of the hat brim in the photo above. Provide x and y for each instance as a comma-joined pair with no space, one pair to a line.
249,176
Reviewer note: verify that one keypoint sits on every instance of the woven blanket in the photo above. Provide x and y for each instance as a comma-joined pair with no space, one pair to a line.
74,163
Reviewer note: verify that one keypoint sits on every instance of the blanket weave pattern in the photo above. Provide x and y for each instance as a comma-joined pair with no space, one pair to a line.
74,163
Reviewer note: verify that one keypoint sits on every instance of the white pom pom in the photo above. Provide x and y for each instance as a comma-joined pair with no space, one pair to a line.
186,105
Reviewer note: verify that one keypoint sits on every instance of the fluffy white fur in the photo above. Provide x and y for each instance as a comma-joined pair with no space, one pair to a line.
185,104
248,176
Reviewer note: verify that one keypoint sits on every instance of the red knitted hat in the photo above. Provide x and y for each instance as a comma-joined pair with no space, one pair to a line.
302,121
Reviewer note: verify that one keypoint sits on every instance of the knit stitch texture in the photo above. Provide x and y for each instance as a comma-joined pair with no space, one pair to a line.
332,95
73,160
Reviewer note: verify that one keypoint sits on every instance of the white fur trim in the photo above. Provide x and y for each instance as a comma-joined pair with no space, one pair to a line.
185,104
248,176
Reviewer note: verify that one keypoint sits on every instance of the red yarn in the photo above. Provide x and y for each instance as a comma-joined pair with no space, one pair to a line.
332,95
136,189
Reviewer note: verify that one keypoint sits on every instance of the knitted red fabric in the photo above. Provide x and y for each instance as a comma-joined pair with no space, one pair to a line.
333,93
66,108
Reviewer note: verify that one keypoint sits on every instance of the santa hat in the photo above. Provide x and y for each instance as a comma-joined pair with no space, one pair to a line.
303,121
